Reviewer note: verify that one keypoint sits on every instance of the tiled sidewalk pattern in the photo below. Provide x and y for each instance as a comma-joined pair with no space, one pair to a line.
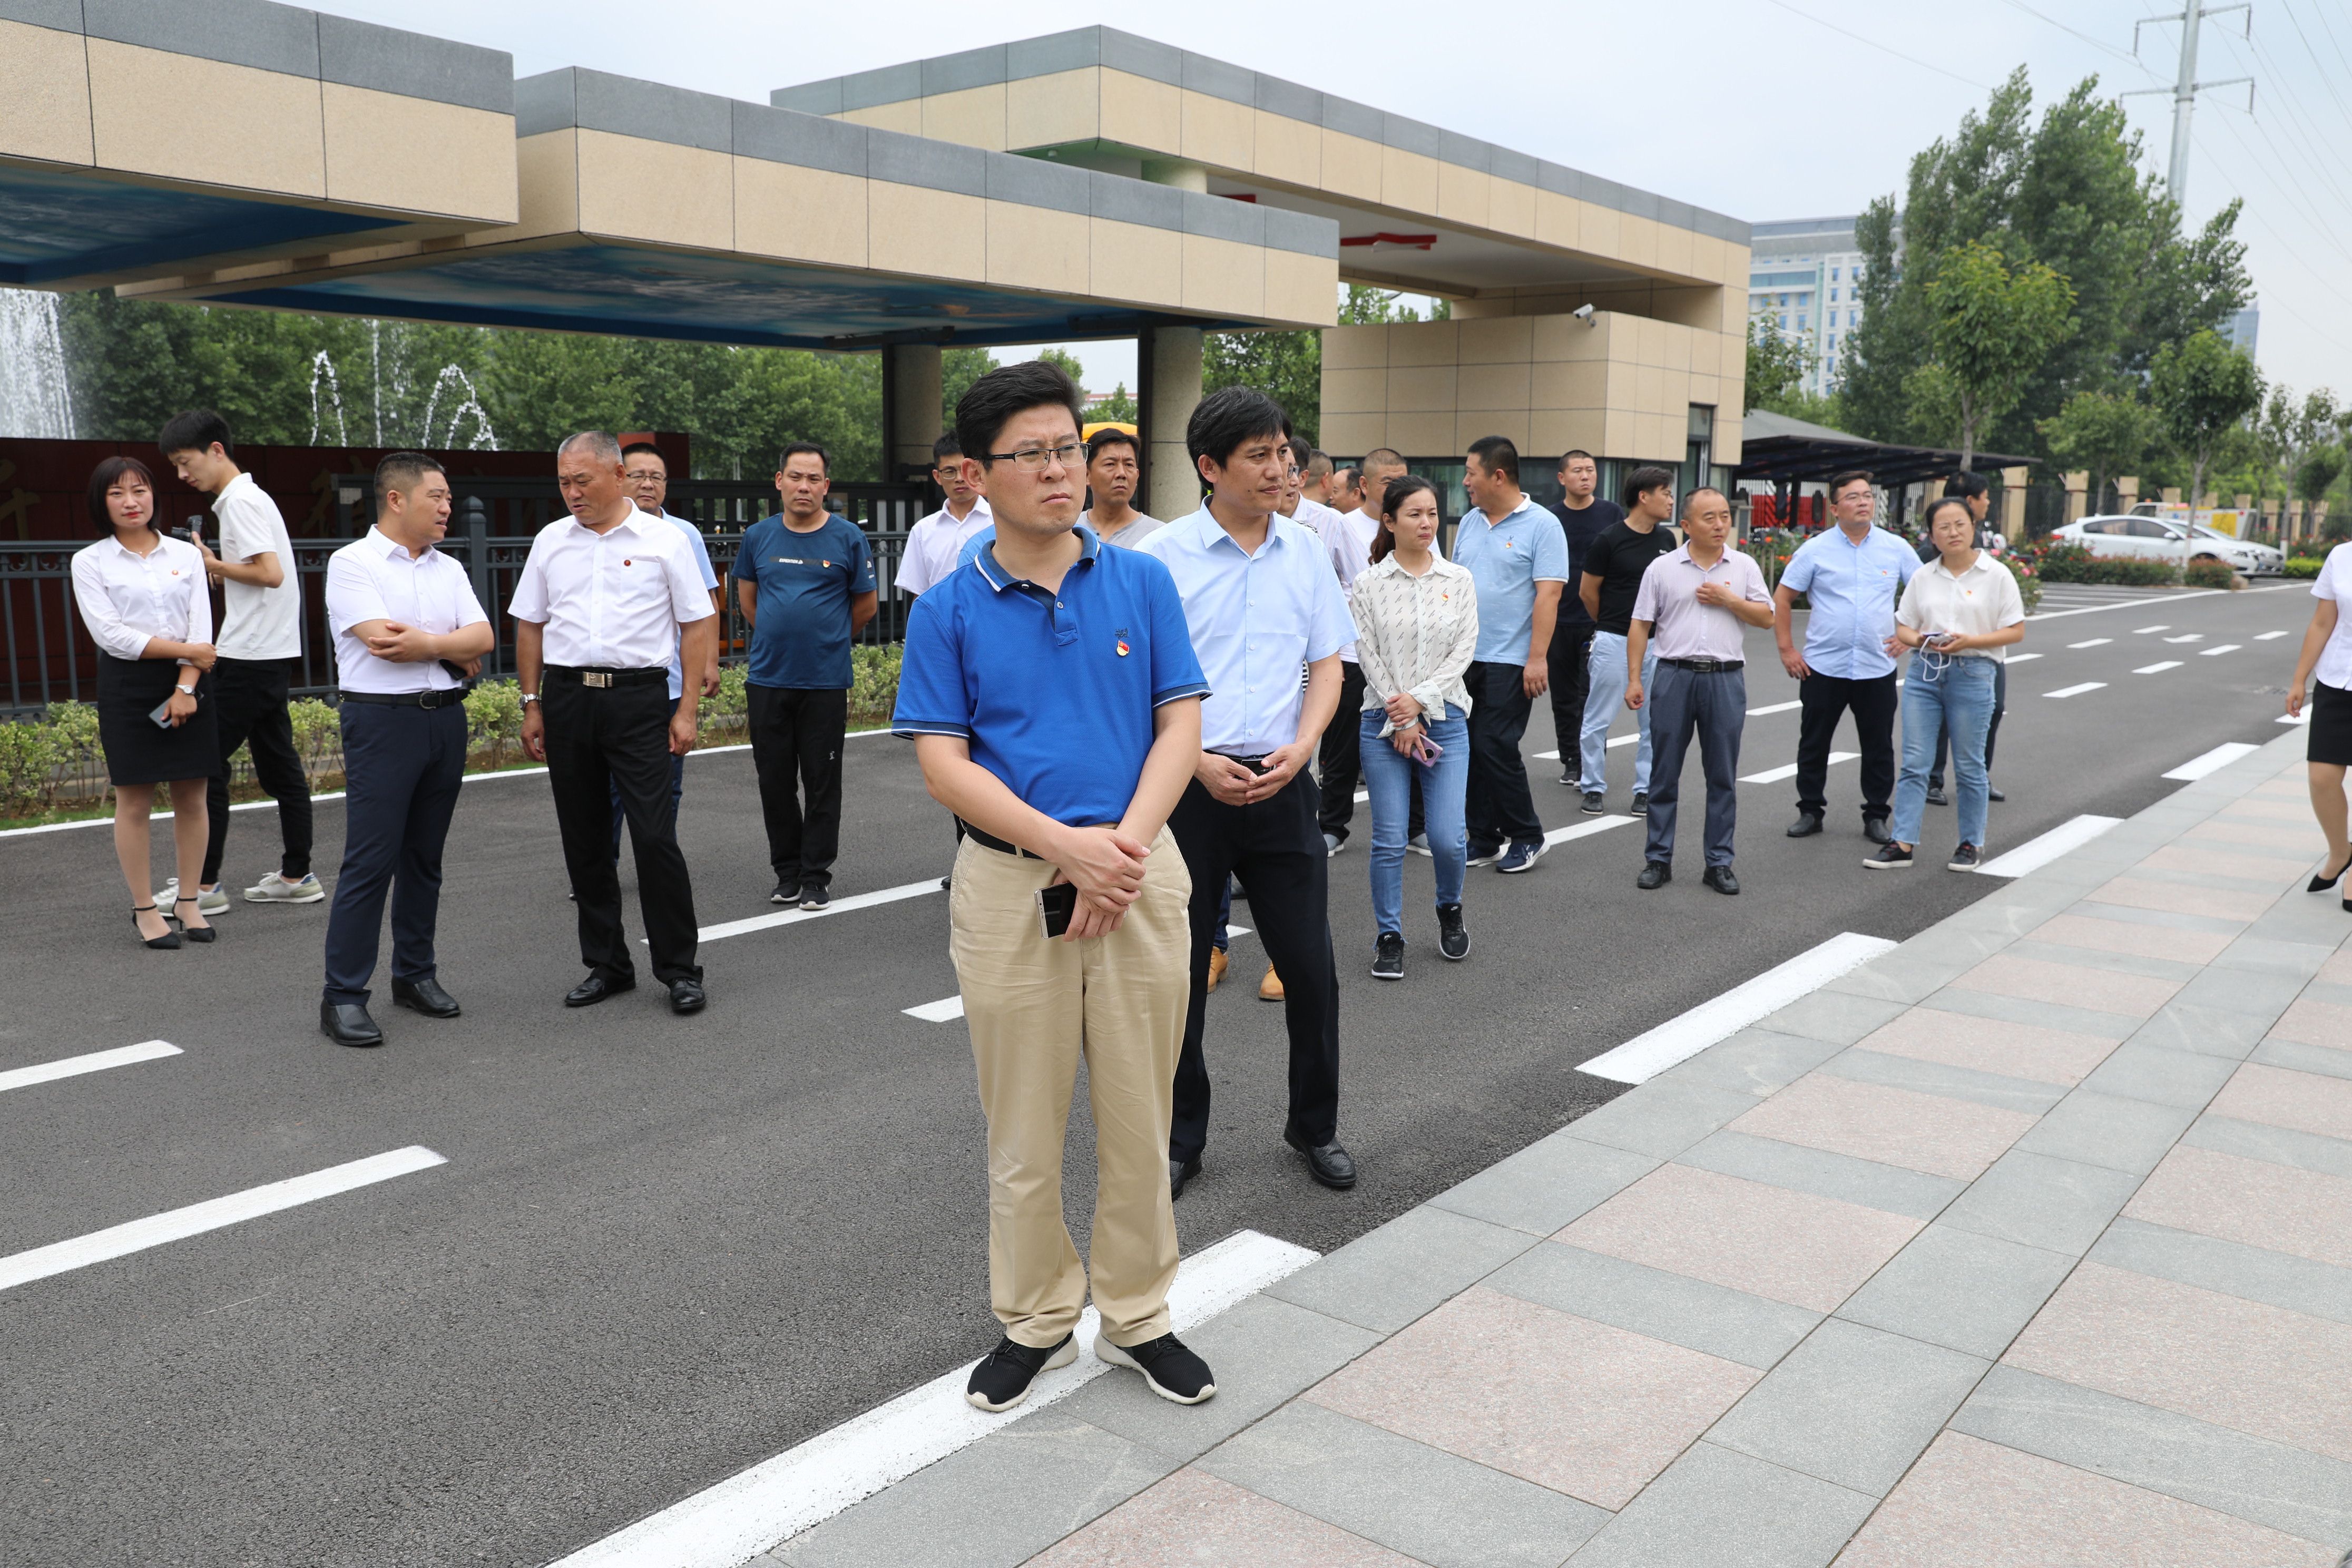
2027,1244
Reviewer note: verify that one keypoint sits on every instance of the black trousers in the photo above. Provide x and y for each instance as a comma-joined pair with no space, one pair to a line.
249,701
796,740
1993,732
677,791
1498,809
597,737
1337,760
1826,699
403,770
1276,848
1571,681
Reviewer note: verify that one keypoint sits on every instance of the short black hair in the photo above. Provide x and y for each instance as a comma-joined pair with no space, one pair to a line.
1572,454
823,457
946,446
103,478
1301,453
634,447
1967,485
983,411
1112,436
1647,478
1229,417
1498,454
401,470
1839,481
194,431
1940,502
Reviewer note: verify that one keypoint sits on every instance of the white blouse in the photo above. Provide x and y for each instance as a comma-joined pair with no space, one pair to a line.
126,598
1984,598
1415,635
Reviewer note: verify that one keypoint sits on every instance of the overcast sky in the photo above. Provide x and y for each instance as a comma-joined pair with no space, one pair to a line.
1760,109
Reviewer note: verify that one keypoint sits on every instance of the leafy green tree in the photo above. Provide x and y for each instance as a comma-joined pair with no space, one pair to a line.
1990,327
2288,432
1779,365
1360,305
1120,408
2202,388
958,368
1285,367
2319,472
1067,362
2104,433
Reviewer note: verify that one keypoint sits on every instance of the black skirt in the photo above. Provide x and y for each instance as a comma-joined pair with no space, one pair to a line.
2331,725
137,750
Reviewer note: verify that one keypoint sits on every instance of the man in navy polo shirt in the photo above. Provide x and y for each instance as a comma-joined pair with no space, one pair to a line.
1054,703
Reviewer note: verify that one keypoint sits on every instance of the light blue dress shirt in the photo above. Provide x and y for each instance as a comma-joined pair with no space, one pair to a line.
1852,589
1507,560
1255,620
710,579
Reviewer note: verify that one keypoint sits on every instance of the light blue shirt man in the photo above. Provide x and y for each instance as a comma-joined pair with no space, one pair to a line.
1507,560
710,579
1852,589
1255,619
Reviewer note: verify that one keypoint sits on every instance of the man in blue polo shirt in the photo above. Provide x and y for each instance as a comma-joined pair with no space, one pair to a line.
1054,703
1852,575
805,579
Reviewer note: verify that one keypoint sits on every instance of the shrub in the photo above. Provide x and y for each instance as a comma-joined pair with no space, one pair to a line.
2029,581
2303,566
494,718
874,683
29,755
2075,563
318,736
2207,573
728,710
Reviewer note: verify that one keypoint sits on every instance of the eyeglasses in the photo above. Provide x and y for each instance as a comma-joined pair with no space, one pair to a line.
1034,459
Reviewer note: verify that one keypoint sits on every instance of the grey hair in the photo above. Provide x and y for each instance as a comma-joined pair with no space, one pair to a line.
602,445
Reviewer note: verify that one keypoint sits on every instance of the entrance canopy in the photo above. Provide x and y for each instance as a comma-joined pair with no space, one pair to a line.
1778,450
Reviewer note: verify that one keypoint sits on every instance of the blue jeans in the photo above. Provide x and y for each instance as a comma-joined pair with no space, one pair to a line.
1960,699
1714,707
1602,703
1388,774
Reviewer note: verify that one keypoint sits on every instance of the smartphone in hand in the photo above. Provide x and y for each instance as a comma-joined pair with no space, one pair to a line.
1055,906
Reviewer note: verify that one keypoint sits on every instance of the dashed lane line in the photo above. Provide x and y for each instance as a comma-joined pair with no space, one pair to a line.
2158,668
1788,770
2222,647
2095,642
1559,835
2021,658
2036,853
2211,761
2189,637
1678,1039
838,907
2302,718
2076,691
2143,631
96,1061
2266,636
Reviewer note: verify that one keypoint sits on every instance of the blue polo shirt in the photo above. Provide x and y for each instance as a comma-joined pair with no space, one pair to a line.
1507,560
805,583
1055,692
1853,590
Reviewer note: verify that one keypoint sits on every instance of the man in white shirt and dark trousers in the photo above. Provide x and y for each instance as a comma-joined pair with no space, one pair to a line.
936,543
647,472
598,610
402,613
260,639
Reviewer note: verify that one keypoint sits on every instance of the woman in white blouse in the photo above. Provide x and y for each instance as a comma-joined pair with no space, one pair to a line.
143,601
1416,626
2325,670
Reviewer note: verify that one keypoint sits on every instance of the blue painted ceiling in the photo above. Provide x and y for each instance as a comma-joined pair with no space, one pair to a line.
57,225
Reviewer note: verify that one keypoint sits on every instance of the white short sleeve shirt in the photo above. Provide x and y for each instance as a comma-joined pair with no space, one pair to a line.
1984,598
127,599
611,600
936,543
373,579
256,621
2334,582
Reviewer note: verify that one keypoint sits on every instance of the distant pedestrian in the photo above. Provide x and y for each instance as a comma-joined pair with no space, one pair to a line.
2326,657
1972,491
1113,471
1851,576
1582,518
935,542
1341,493
1516,553
647,472
1692,614
1608,584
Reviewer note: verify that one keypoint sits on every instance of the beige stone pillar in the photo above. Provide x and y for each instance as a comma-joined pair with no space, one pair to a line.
1172,484
2171,495
2291,519
2127,493
2012,504
915,419
2077,483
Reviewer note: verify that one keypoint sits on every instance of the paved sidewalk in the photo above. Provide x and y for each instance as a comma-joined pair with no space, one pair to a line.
2029,1244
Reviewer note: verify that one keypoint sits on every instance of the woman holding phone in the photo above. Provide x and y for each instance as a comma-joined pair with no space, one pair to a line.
1962,612
143,601
1416,626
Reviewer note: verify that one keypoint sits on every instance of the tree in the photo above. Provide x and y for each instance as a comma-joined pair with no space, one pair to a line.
1067,363
1363,306
1777,365
958,368
2317,472
2202,387
1120,408
1285,367
2289,433
1990,327
2104,433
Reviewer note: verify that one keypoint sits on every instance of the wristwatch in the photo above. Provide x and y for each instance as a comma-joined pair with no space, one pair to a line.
529,698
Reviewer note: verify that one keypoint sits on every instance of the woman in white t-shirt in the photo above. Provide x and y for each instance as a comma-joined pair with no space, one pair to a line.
2327,654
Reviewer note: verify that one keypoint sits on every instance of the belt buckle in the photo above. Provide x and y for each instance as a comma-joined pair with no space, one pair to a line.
600,677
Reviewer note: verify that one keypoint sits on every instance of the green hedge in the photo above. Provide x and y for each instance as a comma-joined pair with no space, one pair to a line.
2303,566
2075,563
2205,573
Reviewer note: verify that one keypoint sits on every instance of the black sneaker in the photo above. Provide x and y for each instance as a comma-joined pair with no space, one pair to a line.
1640,803
1388,957
1964,859
1002,1380
816,899
785,893
1891,856
1571,775
1594,802
1453,941
1169,1369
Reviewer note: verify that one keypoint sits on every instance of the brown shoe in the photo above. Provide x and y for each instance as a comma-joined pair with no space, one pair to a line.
1270,988
1217,962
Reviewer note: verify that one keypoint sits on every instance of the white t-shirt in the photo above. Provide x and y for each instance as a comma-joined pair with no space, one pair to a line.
1984,598
2334,582
257,622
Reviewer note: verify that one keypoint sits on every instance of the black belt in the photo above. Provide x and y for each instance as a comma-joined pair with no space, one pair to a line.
603,678
1706,666
451,698
1255,764
991,841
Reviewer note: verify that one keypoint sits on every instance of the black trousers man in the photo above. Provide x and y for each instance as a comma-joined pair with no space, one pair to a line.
1873,703
404,766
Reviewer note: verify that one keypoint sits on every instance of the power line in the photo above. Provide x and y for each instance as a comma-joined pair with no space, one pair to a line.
2052,21
2324,79
1941,70
2287,249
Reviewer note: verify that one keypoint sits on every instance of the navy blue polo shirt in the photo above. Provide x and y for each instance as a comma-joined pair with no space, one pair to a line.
804,582
1054,692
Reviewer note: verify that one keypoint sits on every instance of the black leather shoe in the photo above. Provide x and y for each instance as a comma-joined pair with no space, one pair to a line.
1327,1163
348,1023
425,996
596,989
1179,1173
1808,823
1720,878
1875,829
686,996
1654,874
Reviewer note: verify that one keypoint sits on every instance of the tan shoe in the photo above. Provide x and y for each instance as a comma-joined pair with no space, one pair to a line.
1270,988
1217,963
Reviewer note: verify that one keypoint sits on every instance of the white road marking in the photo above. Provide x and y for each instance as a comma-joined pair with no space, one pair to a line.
2131,604
1587,830
2265,637
2076,690
773,1500
2219,647
1233,930
2158,668
2191,636
1645,1056
96,1061
2095,642
838,907
2143,631
1788,770
177,1225
1775,708
2021,658
1361,795
946,1010
2302,718
2211,761
2035,853
1546,756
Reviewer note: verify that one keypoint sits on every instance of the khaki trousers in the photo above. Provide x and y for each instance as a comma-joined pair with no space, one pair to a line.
1037,1008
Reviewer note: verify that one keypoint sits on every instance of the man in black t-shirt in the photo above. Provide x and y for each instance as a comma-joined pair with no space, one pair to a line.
1581,517
1608,580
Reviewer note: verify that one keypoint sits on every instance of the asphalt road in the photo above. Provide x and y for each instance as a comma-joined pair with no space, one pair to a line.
663,1249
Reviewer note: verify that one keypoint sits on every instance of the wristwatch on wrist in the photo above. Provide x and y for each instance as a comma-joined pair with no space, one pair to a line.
529,698
183,691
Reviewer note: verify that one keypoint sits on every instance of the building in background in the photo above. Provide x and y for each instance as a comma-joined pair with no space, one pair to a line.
2243,328
1802,280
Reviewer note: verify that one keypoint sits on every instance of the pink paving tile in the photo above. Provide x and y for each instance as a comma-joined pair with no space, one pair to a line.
2280,1097
2317,1022
2216,862
2244,1365
2306,1213
2288,785
1193,1518
1569,1403
2140,941
1769,1241
1945,1137
2144,893
2296,836
1992,1044
1969,1503
2266,808
2337,970
2069,984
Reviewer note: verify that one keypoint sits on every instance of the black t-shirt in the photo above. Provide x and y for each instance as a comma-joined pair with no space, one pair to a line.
1619,557
1581,528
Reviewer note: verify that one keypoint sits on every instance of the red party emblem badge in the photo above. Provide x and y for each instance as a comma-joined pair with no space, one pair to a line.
1122,648
626,561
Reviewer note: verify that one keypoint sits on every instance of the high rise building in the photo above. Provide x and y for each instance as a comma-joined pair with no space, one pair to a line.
2243,328
1802,278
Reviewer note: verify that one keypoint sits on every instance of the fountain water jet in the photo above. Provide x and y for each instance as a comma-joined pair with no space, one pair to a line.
33,398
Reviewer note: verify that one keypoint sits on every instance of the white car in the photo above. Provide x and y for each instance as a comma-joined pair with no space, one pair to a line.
2158,539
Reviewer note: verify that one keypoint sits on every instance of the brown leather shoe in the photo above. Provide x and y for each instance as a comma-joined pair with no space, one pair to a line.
1270,988
1217,963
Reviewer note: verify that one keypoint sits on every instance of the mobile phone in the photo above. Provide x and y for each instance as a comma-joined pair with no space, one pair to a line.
456,671
163,715
1055,905
194,533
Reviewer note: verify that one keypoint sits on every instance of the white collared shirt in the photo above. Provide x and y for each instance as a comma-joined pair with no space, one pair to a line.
257,622
1984,598
373,578
127,599
612,600
936,543
1415,635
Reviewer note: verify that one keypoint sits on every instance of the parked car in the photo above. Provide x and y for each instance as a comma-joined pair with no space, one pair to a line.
2154,539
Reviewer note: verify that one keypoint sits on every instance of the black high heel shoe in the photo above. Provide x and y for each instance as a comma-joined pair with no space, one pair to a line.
2321,884
170,938
193,934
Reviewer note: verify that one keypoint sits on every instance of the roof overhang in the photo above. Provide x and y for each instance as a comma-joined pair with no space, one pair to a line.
1777,449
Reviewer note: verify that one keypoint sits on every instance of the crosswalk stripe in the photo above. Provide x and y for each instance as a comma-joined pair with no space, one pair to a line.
96,1061
2076,690
2021,658
2095,642
2211,761
2036,853
1558,835
2159,667
2265,637
2224,647
1678,1039
946,1010
1788,770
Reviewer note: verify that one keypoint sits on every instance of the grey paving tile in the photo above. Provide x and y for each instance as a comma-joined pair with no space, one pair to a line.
2168,919
1662,1118
1264,1352
2273,957
1721,1509
2295,917
1680,1310
1908,974
2045,1014
2100,958
1832,1015
1547,1184
1824,1172
1959,1289
2249,884
996,1503
2136,1072
2241,990
2102,1129
2328,992
2059,1205
1386,1279
2322,1059
1988,925
1939,1078
1428,1504
2298,1284
2301,1493
2279,1145
1851,1405
1756,1061
2208,1031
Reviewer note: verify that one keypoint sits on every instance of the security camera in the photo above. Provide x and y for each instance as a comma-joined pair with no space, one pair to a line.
1584,313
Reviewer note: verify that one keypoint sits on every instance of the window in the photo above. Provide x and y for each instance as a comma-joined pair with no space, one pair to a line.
1834,272
1802,326
1784,323
1832,292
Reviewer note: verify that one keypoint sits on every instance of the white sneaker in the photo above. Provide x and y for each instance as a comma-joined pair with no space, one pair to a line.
1332,844
207,904
274,889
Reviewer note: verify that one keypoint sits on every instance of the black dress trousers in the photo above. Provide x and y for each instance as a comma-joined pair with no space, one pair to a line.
796,740
1571,657
403,766
1337,760
597,737
1826,698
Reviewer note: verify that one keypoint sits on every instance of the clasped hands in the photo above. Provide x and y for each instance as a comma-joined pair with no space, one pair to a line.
1106,864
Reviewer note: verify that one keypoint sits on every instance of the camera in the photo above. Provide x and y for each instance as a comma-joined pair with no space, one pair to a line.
1584,313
